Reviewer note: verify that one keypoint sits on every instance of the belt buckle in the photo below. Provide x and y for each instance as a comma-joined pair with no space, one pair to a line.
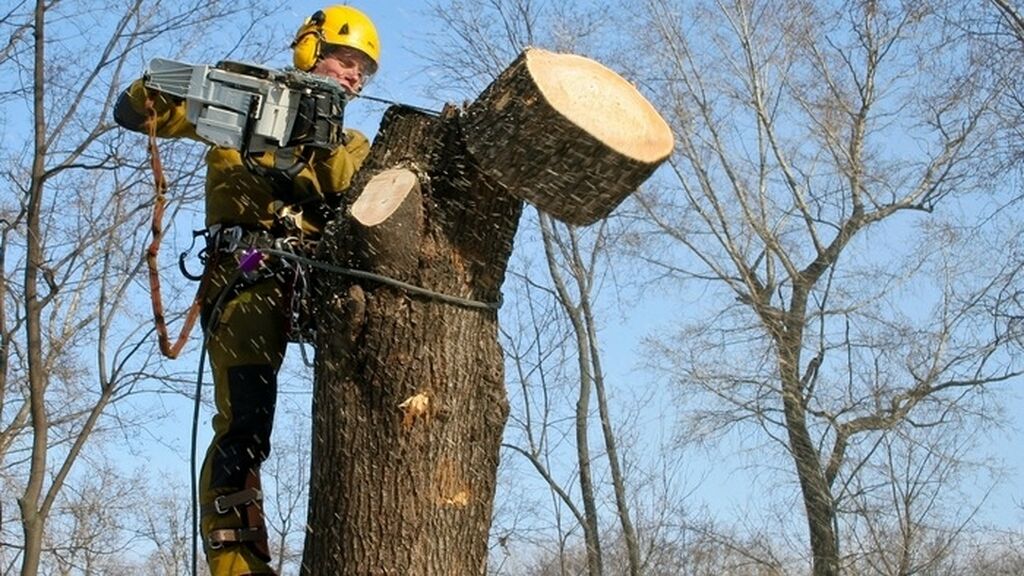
217,505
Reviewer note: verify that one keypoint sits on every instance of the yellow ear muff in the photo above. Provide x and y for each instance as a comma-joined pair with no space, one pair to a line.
306,50
306,47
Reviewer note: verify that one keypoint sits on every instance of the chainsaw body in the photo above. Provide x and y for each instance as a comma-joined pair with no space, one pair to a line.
254,109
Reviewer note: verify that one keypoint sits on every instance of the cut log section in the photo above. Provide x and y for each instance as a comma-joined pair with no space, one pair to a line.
566,134
388,216
383,195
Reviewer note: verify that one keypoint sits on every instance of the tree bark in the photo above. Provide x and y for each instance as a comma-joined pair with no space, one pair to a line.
409,404
819,503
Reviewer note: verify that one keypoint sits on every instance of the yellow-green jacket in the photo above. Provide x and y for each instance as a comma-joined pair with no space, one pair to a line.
236,196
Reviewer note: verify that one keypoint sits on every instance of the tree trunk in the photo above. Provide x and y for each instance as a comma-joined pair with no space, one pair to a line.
33,518
819,504
409,403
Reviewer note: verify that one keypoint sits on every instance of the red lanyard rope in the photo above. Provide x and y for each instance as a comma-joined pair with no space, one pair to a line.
159,205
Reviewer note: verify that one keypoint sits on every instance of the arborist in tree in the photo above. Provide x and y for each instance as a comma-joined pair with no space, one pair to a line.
249,318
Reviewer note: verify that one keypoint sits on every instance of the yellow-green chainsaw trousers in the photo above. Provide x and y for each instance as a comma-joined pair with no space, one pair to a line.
246,342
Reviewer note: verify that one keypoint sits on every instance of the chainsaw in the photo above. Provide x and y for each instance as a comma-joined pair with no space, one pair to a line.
254,109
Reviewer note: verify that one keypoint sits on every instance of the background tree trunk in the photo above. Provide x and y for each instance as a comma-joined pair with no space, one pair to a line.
410,403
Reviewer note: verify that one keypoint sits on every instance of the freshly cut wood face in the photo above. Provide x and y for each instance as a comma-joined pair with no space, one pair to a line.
566,134
601,103
382,195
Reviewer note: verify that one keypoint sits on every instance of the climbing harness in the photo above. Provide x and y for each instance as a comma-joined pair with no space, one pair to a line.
251,249
261,255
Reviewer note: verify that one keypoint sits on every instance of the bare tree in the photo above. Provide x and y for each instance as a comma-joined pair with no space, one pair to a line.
904,513
164,527
1004,51
556,358
809,133
286,477
1013,16
993,557
71,345
87,532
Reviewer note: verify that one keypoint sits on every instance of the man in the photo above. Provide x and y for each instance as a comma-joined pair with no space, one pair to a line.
247,322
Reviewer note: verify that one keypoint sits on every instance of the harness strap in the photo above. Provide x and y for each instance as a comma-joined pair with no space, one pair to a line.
159,206
217,539
232,239
254,528
228,502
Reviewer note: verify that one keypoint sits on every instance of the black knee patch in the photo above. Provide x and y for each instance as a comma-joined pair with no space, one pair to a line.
252,394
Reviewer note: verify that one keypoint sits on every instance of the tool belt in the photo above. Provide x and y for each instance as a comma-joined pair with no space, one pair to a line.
249,248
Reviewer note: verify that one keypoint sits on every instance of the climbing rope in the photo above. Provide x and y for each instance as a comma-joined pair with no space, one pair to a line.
363,275
197,397
194,454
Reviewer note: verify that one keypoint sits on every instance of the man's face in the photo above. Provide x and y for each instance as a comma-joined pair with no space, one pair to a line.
348,66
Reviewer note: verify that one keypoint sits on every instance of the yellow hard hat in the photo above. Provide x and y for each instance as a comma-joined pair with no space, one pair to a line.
335,26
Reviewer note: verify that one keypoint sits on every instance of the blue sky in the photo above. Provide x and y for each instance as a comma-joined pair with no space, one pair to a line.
401,25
